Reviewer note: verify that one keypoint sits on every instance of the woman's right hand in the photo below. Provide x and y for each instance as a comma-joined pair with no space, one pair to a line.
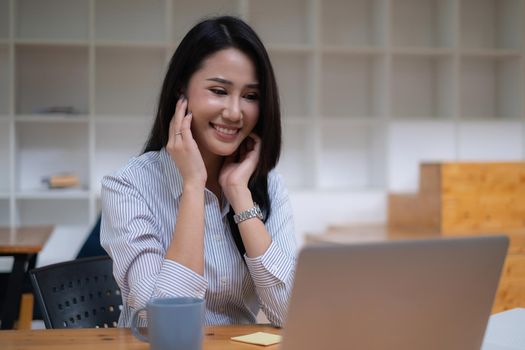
183,149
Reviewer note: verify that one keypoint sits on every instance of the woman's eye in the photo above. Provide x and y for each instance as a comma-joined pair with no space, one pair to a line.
218,91
252,96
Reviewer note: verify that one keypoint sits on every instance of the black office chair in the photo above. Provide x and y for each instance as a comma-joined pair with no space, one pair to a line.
91,246
79,293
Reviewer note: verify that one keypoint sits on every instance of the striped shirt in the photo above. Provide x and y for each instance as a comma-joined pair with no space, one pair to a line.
139,213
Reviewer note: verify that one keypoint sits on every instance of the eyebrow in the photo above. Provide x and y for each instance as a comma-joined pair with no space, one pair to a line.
227,82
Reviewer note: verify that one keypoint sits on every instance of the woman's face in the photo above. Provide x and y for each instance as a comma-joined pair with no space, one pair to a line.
223,96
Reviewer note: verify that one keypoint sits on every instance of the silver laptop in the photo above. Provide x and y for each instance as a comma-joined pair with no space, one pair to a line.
417,294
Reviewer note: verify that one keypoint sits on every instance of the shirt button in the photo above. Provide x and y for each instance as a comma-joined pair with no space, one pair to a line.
218,238
273,268
224,280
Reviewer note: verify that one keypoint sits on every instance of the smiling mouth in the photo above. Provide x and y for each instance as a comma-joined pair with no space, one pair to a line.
224,130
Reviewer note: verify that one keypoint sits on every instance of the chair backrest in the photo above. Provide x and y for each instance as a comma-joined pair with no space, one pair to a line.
80,293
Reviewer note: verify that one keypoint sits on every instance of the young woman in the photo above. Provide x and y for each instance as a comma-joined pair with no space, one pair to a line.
201,212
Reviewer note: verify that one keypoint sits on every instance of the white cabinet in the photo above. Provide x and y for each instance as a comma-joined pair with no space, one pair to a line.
423,23
127,81
51,76
491,24
369,88
130,21
52,20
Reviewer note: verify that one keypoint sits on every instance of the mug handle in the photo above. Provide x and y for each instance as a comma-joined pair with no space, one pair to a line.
134,329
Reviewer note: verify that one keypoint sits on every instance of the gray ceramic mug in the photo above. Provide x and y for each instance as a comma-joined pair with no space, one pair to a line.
173,323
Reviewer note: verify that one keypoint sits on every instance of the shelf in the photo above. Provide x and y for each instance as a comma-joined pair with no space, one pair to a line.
127,20
290,24
351,158
353,51
413,142
423,23
353,23
48,149
5,86
492,24
487,53
491,88
491,141
114,146
128,80
5,149
53,194
67,211
368,88
187,13
51,76
342,122
352,86
422,51
292,72
131,44
52,19
290,49
140,120
296,165
52,118
52,42
4,19
422,87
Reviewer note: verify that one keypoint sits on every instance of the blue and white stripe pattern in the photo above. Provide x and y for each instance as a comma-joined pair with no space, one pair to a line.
139,213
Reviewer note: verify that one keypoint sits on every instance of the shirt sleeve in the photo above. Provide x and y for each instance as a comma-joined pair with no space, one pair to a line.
132,239
273,271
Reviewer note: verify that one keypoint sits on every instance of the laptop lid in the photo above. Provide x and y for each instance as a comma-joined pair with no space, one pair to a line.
417,294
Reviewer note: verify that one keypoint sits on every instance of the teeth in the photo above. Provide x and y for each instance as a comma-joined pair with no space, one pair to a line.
226,131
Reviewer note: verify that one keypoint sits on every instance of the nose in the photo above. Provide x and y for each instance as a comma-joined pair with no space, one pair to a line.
232,110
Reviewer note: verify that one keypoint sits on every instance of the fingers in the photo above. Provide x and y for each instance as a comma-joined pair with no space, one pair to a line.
185,126
256,146
176,124
176,121
248,147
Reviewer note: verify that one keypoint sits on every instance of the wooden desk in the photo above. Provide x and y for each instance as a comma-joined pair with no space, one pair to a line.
23,244
362,233
216,338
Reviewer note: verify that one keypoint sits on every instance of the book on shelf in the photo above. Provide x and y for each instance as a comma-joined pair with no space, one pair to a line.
62,181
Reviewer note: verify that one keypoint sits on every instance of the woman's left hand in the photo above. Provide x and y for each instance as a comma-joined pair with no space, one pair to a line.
238,168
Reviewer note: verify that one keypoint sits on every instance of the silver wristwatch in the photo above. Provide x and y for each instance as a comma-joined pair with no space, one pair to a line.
253,212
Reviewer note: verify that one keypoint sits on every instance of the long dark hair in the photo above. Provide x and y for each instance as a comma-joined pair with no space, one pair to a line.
203,40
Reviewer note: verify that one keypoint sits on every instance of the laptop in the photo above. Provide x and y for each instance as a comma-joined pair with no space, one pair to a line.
420,294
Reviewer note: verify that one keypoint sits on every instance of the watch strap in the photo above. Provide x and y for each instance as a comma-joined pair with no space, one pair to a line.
253,212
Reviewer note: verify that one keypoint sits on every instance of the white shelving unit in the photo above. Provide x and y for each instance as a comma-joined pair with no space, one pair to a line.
369,88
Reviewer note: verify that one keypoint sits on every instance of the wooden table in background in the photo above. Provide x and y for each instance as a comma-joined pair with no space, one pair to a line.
23,244
216,338
363,233
511,289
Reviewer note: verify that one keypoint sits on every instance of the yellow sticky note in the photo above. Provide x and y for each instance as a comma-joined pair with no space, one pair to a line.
259,338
